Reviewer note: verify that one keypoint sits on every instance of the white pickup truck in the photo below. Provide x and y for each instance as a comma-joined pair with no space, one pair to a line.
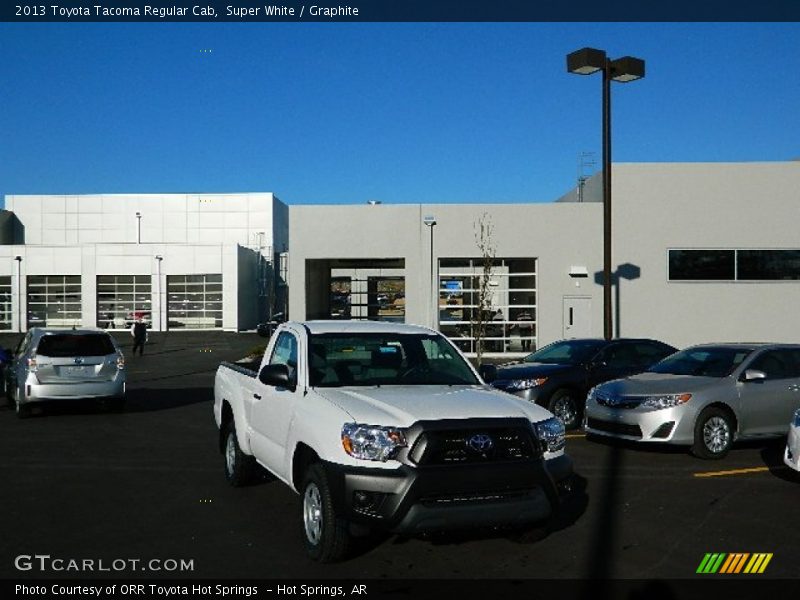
380,426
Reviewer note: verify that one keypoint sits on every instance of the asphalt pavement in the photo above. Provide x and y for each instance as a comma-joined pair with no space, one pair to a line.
147,483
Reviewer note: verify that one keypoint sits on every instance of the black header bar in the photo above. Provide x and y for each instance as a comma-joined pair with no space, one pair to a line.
364,11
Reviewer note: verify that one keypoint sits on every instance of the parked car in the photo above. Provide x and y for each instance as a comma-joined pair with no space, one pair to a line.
559,375
792,454
57,364
706,397
382,426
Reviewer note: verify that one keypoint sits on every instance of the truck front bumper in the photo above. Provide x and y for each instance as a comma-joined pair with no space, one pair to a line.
436,498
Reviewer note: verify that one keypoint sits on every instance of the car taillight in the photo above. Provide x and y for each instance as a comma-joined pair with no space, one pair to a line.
32,367
120,362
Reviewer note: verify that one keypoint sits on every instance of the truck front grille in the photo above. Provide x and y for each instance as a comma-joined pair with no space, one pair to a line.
475,498
465,446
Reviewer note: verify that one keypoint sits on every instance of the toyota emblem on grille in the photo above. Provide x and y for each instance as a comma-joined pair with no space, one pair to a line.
480,442
78,361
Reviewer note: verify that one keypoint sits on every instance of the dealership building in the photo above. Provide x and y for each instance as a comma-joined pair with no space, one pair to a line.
701,252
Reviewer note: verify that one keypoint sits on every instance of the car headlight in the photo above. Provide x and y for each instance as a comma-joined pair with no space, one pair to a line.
551,433
666,400
525,384
796,421
372,442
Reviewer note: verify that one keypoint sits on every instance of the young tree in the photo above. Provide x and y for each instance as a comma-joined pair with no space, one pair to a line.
484,231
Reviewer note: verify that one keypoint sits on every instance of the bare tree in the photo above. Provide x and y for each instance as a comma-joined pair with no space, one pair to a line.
484,232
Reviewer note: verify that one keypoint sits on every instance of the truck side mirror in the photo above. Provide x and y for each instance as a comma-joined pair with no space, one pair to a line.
487,372
277,376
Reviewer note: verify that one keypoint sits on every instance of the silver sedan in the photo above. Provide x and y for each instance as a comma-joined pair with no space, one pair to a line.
791,456
705,397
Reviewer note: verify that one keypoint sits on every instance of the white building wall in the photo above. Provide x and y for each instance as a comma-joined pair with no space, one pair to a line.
557,235
705,206
92,235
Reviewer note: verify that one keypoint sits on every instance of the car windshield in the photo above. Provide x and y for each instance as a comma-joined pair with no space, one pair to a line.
66,345
569,352
368,359
704,361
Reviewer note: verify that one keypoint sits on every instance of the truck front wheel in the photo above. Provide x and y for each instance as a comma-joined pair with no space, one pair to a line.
239,467
326,535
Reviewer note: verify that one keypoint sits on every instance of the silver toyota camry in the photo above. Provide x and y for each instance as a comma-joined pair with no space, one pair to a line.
705,397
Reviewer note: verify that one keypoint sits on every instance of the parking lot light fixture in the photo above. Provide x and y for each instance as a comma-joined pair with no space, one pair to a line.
628,68
159,258
430,221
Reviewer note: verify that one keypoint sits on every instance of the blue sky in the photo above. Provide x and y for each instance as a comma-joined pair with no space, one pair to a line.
397,112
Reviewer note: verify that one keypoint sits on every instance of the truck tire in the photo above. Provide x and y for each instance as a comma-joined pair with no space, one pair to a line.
564,405
713,433
326,535
239,467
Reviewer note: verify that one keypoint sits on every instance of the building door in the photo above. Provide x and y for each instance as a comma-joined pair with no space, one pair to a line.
577,317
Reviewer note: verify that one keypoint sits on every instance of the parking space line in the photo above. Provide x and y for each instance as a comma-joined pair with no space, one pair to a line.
570,436
735,472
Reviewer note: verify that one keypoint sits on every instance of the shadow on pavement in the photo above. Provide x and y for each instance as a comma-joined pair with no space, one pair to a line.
772,455
153,399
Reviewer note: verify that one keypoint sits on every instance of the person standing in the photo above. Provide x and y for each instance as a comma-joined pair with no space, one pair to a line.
139,333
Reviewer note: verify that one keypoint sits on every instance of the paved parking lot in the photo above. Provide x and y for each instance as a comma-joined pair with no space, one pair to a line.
147,483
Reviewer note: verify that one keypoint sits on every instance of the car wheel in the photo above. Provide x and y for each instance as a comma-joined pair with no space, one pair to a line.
239,467
713,433
326,534
564,405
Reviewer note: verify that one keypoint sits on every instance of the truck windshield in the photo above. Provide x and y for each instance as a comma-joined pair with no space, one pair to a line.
367,359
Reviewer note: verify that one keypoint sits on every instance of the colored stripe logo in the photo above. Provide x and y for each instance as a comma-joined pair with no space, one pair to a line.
734,563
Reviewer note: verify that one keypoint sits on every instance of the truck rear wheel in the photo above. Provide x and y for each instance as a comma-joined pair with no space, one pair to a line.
326,535
239,467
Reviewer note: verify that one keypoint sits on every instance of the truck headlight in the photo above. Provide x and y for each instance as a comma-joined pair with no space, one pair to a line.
666,400
518,385
551,433
372,442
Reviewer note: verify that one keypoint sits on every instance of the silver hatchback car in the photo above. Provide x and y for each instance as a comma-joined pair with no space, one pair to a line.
705,397
58,364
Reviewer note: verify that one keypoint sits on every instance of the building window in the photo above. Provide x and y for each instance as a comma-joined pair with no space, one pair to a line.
768,265
194,301
734,265
705,265
5,303
377,298
510,309
121,299
54,301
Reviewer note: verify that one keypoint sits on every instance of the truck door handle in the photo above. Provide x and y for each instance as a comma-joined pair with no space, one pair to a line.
256,396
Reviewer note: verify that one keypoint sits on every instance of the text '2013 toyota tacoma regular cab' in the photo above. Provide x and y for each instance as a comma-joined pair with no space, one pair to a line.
387,426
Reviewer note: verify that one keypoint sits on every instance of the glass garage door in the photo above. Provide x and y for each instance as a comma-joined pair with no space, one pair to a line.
194,301
121,299
54,301
5,302
509,310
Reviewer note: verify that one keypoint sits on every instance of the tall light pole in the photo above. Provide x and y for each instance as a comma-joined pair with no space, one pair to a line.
18,259
159,258
138,227
628,68
430,221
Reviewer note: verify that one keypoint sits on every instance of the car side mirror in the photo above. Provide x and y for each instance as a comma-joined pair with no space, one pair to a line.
754,375
487,372
277,376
